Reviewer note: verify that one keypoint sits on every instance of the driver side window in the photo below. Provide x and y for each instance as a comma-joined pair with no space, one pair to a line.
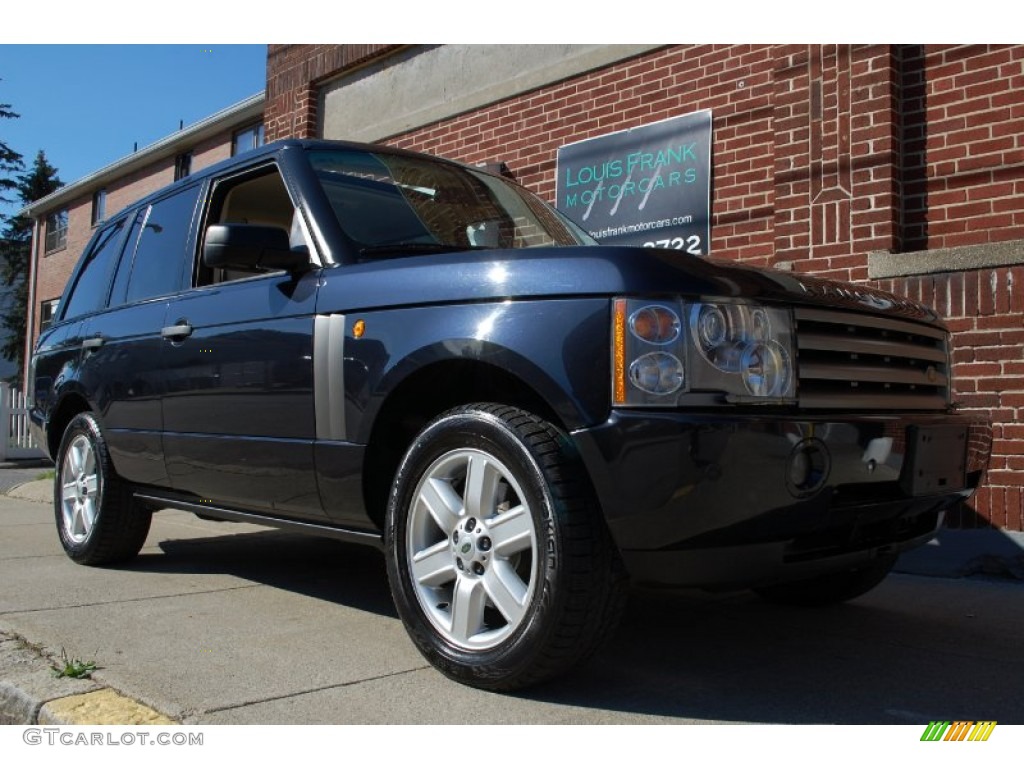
258,197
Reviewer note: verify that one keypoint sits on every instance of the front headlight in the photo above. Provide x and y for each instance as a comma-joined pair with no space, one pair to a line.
662,350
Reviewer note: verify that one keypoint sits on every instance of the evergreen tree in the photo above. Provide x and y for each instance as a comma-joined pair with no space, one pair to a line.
10,161
15,258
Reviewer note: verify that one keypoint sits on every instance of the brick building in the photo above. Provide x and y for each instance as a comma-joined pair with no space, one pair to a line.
65,220
899,165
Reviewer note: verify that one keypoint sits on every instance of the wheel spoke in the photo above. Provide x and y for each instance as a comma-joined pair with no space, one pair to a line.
88,460
506,590
88,515
91,484
482,479
78,526
441,501
468,602
433,566
75,458
69,491
512,531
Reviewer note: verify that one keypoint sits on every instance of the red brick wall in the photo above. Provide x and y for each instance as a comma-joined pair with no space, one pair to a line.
834,152
293,73
968,112
821,155
54,268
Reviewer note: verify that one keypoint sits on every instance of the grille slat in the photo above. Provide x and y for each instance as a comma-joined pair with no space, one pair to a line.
870,321
871,373
867,362
877,347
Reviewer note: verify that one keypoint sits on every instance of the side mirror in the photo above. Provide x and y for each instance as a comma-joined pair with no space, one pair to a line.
251,247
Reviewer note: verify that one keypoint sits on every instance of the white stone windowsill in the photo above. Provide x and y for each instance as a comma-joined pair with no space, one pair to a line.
882,264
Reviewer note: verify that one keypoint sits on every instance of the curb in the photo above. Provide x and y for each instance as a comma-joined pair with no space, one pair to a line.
34,490
31,695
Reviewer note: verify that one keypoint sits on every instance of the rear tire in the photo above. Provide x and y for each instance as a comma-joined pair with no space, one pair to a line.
98,520
831,588
500,565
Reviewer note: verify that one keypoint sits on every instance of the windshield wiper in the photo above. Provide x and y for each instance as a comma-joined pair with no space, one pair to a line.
402,249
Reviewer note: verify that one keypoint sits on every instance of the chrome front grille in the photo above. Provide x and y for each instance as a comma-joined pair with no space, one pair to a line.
847,360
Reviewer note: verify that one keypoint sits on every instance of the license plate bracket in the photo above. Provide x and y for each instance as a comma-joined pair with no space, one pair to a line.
935,461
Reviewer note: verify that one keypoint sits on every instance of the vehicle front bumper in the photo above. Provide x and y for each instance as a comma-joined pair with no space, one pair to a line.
727,501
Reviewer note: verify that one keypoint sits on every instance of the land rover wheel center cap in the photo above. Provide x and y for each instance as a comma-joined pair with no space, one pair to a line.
471,546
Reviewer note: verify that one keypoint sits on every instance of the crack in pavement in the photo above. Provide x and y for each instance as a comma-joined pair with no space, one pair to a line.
318,689
129,600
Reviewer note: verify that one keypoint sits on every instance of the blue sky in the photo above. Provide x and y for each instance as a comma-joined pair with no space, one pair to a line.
87,105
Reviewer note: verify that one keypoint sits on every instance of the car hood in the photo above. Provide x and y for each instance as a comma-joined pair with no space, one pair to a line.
591,271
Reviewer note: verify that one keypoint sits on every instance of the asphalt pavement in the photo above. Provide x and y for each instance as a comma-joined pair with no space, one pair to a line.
235,623
15,473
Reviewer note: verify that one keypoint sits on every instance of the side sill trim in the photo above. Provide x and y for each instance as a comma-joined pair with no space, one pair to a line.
297,526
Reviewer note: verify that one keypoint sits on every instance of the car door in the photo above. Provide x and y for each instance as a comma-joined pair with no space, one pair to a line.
238,369
61,349
122,344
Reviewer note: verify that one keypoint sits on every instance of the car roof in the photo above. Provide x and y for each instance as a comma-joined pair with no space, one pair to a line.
269,151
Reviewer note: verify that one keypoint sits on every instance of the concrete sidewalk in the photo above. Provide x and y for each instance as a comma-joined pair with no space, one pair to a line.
233,623
35,490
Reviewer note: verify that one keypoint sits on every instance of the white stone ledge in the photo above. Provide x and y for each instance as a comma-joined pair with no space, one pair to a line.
421,85
883,264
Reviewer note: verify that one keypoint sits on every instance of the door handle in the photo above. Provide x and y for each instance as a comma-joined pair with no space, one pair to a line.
176,332
94,342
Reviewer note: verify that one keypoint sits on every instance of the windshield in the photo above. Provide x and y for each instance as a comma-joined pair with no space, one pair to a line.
388,202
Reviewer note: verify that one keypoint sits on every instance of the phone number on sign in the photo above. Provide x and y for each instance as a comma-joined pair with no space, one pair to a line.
689,244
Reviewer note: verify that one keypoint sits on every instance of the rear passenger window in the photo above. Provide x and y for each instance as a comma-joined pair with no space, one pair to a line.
124,269
90,291
160,254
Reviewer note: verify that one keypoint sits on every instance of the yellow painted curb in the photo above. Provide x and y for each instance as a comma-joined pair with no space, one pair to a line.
104,707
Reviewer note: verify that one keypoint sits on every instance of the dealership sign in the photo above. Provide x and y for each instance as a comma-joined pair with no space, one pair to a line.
647,186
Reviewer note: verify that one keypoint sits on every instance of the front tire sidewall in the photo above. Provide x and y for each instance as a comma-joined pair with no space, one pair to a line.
493,667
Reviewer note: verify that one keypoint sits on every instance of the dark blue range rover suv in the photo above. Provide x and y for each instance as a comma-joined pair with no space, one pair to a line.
390,348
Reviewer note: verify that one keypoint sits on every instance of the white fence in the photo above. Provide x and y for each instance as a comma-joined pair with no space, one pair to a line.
14,419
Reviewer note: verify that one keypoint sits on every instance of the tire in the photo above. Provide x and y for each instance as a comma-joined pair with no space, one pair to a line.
831,588
98,521
500,565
